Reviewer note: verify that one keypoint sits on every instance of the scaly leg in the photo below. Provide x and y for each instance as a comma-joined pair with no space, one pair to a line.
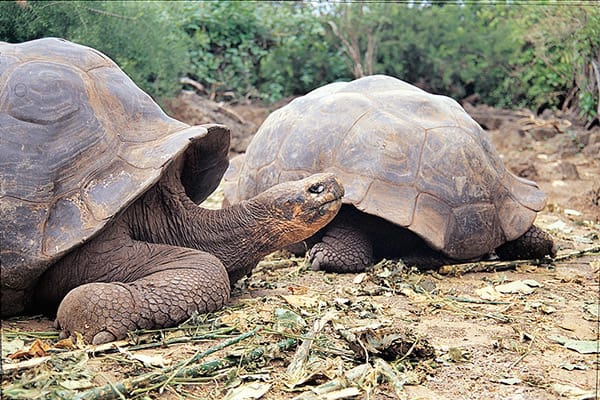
147,286
343,248
533,244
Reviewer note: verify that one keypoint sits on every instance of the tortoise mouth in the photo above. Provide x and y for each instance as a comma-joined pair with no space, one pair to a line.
327,205
316,216
313,200
326,210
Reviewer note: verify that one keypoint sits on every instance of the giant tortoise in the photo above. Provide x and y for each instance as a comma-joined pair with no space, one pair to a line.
98,193
422,179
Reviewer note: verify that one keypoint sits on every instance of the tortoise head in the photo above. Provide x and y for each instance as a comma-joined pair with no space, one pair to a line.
298,209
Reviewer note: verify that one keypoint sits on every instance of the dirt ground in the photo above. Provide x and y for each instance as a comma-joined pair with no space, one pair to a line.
528,331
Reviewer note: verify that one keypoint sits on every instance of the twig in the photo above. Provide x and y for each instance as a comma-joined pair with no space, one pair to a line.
34,362
181,369
476,301
392,375
452,306
352,51
103,348
182,365
518,360
491,266
9,333
113,347
296,368
229,112
109,14
596,68
220,334
578,253
142,382
486,266
195,84
410,350
338,387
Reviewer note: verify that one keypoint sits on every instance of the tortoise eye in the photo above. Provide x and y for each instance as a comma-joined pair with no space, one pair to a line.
316,188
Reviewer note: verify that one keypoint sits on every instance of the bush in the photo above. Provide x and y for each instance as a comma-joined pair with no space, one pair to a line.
256,49
299,60
227,41
509,55
559,65
457,51
142,37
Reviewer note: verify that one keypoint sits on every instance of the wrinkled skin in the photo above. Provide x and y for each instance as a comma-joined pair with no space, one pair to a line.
165,258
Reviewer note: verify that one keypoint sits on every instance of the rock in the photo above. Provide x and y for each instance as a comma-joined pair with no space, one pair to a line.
567,171
543,133
524,169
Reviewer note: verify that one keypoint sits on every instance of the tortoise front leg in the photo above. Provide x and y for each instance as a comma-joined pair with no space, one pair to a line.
343,248
156,286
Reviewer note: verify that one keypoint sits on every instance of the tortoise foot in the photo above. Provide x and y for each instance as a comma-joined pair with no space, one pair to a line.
533,244
342,250
103,312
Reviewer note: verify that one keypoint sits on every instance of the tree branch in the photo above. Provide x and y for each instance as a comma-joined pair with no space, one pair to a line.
353,52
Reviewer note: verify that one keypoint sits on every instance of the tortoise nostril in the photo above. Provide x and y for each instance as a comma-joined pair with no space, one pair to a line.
317,188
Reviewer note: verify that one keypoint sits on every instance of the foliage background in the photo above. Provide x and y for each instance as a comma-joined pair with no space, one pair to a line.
536,54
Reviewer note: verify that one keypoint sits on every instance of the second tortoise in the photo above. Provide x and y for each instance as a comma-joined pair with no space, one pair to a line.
422,179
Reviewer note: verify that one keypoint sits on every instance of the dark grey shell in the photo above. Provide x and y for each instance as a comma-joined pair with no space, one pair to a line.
414,158
80,142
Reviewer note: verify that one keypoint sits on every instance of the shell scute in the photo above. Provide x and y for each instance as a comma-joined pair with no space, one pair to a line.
455,168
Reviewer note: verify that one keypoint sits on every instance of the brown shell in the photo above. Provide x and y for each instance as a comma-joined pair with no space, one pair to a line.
414,158
80,142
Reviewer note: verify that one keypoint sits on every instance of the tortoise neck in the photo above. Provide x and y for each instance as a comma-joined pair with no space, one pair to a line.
239,235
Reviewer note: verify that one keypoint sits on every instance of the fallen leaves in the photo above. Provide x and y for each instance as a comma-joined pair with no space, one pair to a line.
248,391
572,392
580,346
149,360
526,286
301,301
498,292
354,337
36,349
389,344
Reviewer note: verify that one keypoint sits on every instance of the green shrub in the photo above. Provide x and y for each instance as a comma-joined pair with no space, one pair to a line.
142,37
227,41
509,55
302,56
555,67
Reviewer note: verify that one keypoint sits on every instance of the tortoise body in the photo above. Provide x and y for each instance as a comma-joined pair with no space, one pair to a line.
80,143
98,199
412,158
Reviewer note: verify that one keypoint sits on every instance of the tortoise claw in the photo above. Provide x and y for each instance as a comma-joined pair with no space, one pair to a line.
103,337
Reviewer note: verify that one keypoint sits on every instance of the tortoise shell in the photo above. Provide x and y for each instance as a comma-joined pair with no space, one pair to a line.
80,143
413,158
